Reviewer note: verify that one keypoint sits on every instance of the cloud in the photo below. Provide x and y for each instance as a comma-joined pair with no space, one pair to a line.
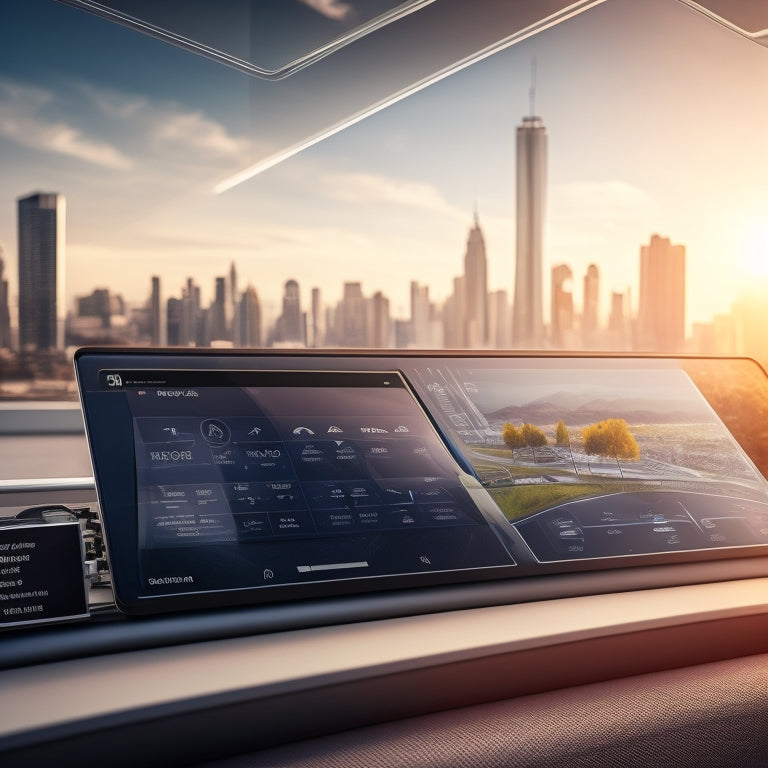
332,9
364,188
43,120
167,124
23,121
113,104
197,132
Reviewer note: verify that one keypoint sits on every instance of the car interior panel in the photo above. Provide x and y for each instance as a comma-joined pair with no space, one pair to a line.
514,517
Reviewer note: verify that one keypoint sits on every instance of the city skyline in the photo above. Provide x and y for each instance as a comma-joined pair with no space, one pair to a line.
359,320
472,317
386,202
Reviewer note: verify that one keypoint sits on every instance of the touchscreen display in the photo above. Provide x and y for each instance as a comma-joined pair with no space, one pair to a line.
259,479
593,458
231,478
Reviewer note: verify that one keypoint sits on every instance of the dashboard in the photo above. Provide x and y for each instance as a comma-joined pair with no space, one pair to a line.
280,526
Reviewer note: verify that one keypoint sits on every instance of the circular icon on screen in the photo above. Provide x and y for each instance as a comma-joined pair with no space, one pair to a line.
215,432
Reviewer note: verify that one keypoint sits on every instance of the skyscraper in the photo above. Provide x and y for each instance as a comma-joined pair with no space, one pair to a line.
528,322
190,332
155,313
231,303
562,306
41,271
378,321
218,311
419,336
173,315
589,318
316,335
661,313
289,328
5,311
619,323
453,316
351,317
499,323
249,319
475,289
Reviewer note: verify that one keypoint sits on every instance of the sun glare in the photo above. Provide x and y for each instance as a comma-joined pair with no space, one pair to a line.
756,249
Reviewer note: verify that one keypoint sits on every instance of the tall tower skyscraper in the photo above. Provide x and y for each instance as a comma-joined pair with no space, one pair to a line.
475,289
249,319
420,316
528,322
218,311
232,296
5,310
155,313
42,220
590,315
661,313
378,321
316,330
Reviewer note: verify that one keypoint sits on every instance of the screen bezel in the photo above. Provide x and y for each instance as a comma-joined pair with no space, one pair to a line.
89,360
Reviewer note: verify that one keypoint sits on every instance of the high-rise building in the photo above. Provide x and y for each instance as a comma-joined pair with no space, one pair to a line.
174,310
249,319
562,306
475,289
618,334
351,317
590,315
419,334
499,322
5,308
453,316
218,311
42,311
290,325
528,320
97,304
661,312
316,335
231,303
378,321
155,314
190,332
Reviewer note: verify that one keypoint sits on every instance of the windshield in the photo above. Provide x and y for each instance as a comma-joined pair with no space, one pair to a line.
430,175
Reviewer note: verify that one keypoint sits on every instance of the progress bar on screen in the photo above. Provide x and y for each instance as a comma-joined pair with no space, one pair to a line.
330,566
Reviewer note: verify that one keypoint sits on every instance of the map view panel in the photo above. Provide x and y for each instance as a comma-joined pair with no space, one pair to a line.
600,459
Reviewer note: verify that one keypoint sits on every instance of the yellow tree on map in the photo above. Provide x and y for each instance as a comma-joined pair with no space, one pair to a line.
611,438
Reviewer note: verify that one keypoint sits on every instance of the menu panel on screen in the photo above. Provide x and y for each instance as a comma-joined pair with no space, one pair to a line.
287,482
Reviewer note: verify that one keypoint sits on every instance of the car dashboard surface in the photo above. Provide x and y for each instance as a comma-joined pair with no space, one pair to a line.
614,658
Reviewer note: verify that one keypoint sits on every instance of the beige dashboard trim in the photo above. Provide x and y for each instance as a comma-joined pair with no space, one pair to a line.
266,665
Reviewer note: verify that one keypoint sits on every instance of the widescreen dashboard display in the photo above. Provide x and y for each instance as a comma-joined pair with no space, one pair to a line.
232,478
282,483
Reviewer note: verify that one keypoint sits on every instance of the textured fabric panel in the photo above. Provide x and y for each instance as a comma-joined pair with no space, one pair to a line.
708,716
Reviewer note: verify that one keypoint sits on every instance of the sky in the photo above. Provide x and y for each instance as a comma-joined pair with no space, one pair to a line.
656,121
